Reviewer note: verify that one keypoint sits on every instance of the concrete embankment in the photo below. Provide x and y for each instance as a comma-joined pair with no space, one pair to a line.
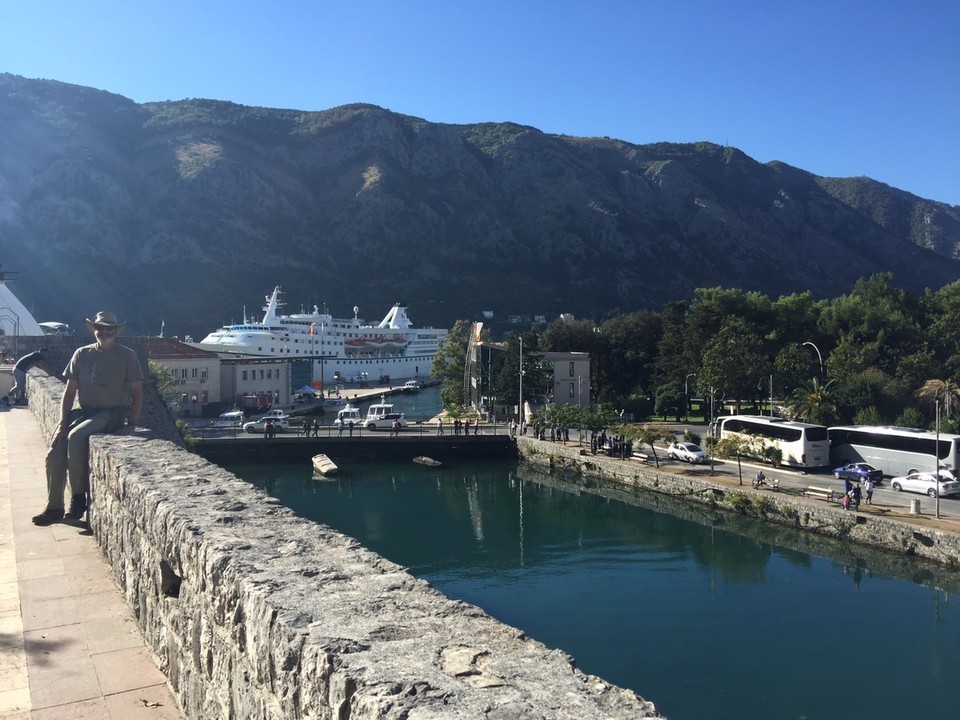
783,508
254,612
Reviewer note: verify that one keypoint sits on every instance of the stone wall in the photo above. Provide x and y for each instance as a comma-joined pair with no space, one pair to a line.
781,508
255,613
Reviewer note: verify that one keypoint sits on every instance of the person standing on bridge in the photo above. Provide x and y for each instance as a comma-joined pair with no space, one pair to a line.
100,376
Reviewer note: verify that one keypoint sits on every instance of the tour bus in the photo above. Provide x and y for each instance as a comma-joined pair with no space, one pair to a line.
803,445
894,450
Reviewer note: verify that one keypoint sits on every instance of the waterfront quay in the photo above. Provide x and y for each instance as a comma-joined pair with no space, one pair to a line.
901,523
493,441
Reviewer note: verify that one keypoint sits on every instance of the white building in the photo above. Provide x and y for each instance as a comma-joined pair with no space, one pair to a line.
571,378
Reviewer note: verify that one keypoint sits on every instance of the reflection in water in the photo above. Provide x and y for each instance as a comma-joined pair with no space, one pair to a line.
687,607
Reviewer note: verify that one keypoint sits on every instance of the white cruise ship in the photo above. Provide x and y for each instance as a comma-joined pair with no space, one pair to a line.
348,349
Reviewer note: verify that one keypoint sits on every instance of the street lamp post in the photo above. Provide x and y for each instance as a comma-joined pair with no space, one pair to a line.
686,396
936,456
819,357
520,399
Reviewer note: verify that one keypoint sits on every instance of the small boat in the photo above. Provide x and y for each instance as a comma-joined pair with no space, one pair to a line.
428,461
324,465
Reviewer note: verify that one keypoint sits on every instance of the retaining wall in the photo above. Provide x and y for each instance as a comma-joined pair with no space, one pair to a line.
253,612
781,508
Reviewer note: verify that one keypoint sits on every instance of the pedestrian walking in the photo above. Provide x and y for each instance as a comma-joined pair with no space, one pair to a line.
855,496
868,490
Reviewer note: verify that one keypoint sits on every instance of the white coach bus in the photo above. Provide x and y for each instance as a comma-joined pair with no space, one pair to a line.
802,445
894,450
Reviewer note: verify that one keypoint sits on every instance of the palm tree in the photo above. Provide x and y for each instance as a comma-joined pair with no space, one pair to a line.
813,403
947,392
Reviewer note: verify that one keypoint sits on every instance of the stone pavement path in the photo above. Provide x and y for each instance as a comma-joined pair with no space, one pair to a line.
69,646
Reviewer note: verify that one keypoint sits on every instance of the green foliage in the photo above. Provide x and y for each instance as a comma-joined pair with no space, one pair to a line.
670,401
868,416
813,403
773,455
163,381
910,417
490,137
879,348
450,363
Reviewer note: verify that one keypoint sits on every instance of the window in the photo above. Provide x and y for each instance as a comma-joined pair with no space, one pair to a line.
571,370
243,375
571,389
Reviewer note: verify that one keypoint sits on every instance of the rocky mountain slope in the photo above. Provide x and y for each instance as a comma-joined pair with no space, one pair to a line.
187,212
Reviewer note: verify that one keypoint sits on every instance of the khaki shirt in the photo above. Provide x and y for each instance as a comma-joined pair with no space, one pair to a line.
103,377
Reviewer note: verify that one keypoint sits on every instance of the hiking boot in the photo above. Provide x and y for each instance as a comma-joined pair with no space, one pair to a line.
78,506
48,517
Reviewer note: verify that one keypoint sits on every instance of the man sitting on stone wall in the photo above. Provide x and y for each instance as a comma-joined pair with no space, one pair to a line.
100,375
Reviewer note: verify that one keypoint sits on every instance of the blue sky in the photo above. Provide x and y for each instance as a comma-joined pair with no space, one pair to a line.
838,88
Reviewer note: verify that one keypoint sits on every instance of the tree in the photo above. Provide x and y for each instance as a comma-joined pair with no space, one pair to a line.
670,401
163,380
946,392
600,417
739,446
647,435
791,368
450,363
813,403
675,358
627,351
734,361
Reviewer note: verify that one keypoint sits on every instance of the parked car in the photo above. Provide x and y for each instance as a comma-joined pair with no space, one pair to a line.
859,472
280,424
385,422
687,452
923,482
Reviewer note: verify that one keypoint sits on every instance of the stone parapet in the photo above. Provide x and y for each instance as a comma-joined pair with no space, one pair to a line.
253,612
826,520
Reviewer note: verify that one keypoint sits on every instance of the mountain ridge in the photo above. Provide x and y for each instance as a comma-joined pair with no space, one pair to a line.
187,211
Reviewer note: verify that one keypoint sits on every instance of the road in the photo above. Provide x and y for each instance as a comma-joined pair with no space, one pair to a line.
797,480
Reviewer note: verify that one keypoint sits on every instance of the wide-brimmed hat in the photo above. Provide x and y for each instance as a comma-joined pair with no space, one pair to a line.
104,318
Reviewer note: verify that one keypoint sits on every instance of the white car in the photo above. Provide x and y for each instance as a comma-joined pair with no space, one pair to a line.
688,452
385,422
280,424
923,482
